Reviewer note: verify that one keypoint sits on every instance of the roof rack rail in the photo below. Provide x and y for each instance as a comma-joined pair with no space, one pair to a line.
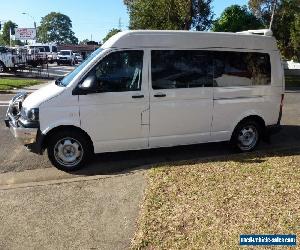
264,32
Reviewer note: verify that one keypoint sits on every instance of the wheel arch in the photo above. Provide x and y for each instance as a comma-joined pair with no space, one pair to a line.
253,117
45,140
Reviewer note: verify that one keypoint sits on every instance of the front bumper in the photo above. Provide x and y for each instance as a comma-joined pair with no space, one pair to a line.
23,135
26,133
62,61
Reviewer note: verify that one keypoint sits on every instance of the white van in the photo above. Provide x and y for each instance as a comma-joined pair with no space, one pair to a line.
149,89
47,49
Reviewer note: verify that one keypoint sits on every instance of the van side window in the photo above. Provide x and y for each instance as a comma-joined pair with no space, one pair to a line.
241,69
181,69
46,48
120,71
54,49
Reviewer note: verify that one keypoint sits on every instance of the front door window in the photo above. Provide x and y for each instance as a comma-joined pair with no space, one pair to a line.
120,71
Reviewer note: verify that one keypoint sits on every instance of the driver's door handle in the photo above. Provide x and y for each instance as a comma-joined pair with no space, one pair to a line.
160,95
137,96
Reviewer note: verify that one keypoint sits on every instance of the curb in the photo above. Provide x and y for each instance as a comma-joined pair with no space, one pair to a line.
16,180
20,181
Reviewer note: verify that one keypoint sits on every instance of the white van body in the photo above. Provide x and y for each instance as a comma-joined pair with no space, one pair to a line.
46,49
207,108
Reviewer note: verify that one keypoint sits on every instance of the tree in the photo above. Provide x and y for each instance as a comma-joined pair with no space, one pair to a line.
285,24
236,18
56,27
1,41
295,37
84,41
262,9
5,36
170,14
110,34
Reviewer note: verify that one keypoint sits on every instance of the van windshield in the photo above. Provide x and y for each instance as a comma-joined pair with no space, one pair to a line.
68,78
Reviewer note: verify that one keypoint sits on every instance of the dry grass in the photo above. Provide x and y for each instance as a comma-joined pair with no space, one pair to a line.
208,204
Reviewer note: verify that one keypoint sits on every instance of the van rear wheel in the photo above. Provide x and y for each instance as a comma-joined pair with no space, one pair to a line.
246,136
69,150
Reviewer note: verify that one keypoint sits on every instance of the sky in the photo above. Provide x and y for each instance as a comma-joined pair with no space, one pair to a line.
90,18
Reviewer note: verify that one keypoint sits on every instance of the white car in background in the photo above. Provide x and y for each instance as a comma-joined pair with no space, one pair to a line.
65,57
78,58
49,50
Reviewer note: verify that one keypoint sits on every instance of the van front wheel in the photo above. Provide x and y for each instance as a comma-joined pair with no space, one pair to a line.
246,136
69,150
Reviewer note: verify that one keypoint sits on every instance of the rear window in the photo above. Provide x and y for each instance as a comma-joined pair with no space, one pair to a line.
241,69
199,68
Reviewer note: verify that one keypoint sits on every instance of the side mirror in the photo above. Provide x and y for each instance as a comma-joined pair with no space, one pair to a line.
89,85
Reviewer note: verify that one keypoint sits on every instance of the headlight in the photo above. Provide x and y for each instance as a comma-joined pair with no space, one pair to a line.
30,114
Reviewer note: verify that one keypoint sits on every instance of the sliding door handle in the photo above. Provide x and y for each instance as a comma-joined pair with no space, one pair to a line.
137,96
160,95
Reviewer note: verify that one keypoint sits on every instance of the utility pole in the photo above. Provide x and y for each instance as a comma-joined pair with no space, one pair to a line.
120,24
9,36
34,23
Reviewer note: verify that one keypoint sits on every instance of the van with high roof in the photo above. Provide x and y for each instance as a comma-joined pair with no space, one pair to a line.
151,89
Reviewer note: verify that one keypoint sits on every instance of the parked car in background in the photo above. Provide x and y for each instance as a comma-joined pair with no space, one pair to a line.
47,49
65,57
78,58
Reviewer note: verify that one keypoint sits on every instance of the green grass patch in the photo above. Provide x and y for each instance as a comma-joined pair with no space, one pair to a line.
9,83
208,204
292,81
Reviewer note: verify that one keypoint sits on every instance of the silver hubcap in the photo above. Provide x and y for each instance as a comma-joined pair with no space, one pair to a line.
247,137
68,152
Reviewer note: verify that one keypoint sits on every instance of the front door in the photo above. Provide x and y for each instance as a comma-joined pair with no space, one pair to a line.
181,97
116,116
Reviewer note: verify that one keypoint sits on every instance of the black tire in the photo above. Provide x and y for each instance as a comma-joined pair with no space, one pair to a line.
246,136
2,67
70,143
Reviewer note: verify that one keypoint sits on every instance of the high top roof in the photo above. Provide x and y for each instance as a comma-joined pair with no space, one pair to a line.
190,40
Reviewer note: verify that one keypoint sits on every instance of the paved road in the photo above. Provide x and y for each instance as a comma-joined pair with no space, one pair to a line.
54,71
57,71
14,157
